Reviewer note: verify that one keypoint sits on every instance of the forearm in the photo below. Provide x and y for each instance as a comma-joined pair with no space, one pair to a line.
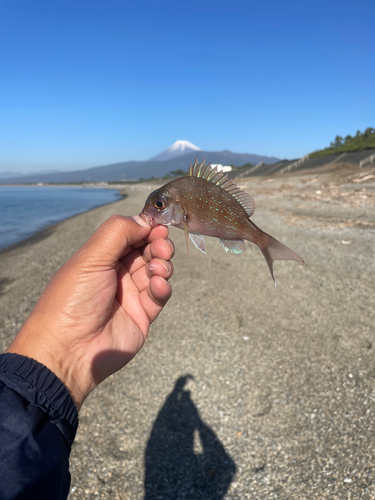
38,422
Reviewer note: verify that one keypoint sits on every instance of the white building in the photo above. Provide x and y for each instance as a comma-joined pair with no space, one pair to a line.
221,168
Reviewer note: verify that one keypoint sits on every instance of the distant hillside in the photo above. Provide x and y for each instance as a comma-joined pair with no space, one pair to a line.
135,170
361,141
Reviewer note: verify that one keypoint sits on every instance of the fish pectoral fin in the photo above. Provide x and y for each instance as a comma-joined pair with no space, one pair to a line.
235,246
186,230
198,240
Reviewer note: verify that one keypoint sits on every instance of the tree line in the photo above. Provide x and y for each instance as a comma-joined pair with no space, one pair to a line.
349,144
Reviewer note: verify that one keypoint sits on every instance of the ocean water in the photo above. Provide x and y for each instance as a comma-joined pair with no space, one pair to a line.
26,210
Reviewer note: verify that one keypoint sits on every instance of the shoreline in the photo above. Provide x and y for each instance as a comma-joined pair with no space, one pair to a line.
83,185
50,229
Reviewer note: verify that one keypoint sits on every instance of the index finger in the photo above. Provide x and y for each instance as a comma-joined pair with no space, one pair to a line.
156,232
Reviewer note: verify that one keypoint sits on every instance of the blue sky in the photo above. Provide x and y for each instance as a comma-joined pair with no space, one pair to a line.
86,83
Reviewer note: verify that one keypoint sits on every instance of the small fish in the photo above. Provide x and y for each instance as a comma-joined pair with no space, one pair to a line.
208,203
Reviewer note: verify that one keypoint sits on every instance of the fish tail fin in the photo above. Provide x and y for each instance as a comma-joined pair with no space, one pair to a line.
272,249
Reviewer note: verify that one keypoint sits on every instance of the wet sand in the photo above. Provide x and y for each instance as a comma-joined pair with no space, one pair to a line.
243,390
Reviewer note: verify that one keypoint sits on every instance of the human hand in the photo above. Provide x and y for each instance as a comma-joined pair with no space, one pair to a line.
95,313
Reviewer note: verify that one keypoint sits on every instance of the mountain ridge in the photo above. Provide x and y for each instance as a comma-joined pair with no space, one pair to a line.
136,170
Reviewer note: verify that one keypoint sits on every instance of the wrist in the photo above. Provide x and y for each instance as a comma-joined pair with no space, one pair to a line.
56,359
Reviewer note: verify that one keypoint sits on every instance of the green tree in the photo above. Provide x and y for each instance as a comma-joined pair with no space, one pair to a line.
177,173
338,142
368,132
359,142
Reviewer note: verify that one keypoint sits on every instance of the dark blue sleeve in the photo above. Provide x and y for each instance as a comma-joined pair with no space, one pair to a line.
38,423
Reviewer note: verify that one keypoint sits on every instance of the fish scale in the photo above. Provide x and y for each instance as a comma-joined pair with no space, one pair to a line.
211,205
207,203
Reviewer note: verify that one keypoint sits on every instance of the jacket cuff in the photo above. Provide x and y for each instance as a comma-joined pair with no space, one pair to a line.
40,387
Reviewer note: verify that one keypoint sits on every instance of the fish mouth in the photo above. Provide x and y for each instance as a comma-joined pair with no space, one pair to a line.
149,219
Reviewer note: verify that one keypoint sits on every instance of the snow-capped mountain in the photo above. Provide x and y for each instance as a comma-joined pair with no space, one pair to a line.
178,148
177,157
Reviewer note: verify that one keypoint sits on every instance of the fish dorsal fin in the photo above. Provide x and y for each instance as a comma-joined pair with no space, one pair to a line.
213,175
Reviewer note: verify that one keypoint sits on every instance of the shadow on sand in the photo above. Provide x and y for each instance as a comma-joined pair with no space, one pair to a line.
184,458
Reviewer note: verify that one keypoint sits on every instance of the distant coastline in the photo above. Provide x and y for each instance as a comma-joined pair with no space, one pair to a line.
96,185
12,225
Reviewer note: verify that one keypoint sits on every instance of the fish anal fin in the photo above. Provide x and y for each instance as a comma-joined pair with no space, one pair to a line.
198,241
235,246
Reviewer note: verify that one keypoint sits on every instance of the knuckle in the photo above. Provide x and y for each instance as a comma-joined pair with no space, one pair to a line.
116,219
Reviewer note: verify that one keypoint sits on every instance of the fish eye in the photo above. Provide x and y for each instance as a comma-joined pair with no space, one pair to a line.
159,204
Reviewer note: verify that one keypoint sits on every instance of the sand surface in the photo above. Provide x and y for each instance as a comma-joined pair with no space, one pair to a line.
242,390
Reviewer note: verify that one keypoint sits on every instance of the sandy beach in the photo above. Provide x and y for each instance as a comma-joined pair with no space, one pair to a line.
242,390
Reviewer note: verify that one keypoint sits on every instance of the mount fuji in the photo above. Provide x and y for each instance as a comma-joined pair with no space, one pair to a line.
176,157
178,148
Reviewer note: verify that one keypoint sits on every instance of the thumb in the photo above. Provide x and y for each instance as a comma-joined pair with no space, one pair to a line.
115,237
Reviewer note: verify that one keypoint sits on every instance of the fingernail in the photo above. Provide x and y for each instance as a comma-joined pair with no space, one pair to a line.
165,281
169,244
140,220
152,267
165,265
